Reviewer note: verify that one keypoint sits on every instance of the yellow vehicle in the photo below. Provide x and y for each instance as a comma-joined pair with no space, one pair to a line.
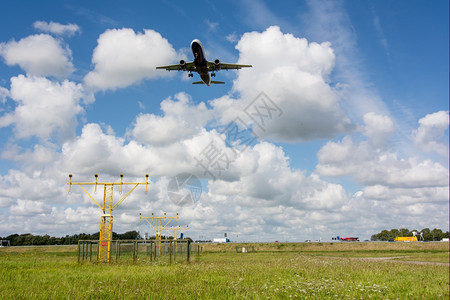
406,239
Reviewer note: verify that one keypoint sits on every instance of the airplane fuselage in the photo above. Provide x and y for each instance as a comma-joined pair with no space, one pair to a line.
200,61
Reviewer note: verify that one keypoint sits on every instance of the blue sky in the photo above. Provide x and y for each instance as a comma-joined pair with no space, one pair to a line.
359,142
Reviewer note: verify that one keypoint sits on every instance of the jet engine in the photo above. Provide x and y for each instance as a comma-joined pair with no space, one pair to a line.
217,65
183,65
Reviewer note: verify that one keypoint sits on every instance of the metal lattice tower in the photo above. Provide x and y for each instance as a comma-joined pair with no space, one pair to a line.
106,222
158,227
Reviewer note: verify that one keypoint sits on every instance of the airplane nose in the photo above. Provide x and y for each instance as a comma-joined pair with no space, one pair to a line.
196,44
196,41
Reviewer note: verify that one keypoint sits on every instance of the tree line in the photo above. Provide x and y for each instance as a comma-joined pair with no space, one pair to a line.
427,234
28,239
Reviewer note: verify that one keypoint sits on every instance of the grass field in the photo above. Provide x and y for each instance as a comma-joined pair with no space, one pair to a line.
274,271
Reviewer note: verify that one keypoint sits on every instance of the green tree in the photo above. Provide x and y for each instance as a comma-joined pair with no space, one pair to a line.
394,233
427,236
129,235
405,232
12,239
437,234
385,235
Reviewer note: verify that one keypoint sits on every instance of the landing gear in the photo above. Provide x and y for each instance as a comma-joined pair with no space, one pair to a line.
213,74
190,75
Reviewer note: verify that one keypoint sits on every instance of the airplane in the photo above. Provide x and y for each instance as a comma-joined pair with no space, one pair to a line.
202,66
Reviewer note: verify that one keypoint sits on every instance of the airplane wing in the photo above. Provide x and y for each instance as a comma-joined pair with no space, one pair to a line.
212,82
212,66
189,66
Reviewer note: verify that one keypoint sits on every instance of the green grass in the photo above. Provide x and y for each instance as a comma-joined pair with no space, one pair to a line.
329,272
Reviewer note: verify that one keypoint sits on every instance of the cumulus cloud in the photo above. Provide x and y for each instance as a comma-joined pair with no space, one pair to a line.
52,220
378,128
272,182
39,55
384,176
406,188
35,186
181,120
431,132
123,57
43,107
294,74
29,208
40,155
372,166
95,150
56,28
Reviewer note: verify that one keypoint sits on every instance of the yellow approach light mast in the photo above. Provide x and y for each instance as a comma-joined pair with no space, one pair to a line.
106,222
158,227
175,233
176,229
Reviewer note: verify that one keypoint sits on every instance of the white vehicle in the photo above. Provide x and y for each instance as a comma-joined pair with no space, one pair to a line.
221,240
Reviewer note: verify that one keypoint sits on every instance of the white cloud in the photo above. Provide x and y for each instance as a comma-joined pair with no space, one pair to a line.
123,57
56,28
406,196
30,187
271,182
52,220
212,26
380,32
94,152
29,208
43,107
374,166
378,128
39,55
181,121
40,155
141,105
4,93
431,132
293,73
156,130
232,37
384,176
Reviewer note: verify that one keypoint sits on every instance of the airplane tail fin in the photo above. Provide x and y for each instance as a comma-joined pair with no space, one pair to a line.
212,82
